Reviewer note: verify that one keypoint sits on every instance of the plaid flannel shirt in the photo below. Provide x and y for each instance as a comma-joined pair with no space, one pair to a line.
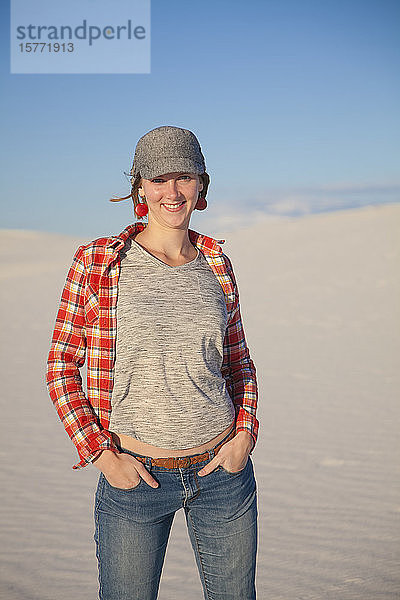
86,328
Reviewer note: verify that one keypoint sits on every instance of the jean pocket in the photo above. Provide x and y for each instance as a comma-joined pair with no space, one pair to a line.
232,473
123,490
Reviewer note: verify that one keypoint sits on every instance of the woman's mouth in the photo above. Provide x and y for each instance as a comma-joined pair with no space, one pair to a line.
174,207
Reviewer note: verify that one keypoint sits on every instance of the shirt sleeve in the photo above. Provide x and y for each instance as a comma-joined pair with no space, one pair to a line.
238,369
67,355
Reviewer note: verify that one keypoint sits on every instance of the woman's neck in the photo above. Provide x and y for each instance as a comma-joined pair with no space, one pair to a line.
173,244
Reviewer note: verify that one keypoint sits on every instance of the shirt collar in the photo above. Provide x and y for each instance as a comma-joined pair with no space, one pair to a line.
205,243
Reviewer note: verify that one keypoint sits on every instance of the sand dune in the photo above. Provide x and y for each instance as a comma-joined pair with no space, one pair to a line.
320,302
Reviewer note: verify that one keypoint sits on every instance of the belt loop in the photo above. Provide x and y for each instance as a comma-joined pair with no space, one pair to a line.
148,462
211,453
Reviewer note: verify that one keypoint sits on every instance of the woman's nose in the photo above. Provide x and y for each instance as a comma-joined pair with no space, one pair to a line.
172,189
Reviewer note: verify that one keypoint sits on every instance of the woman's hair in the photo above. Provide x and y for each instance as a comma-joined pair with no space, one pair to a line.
135,185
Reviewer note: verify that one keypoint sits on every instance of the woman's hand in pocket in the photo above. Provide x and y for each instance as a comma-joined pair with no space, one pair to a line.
123,470
232,456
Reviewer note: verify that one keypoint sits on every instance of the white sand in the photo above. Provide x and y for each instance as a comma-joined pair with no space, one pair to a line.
320,301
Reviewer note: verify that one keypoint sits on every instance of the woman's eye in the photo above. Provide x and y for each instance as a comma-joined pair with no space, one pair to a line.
160,180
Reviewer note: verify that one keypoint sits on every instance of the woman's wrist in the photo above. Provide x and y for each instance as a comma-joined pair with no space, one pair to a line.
104,459
246,439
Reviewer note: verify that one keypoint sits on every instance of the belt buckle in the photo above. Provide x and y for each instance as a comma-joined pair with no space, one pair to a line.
185,461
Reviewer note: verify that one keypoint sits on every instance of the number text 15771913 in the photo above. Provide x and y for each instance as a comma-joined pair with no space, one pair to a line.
46,47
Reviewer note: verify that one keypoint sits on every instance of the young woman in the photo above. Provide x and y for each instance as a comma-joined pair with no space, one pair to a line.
169,417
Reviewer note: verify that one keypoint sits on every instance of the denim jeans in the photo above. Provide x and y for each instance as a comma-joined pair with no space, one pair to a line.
133,527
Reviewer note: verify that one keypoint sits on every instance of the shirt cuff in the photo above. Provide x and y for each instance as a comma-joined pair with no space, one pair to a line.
249,423
93,446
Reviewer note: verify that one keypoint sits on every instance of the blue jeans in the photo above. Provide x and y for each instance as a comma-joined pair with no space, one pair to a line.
133,527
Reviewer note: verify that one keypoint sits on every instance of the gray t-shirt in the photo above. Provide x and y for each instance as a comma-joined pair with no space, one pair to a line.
171,321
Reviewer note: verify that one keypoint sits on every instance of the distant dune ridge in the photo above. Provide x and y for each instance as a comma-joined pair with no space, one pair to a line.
320,303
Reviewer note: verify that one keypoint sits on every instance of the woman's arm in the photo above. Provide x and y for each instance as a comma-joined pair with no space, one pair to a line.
238,369
67,354
239,373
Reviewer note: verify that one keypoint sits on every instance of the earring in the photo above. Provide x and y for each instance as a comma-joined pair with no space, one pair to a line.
201,203
141,209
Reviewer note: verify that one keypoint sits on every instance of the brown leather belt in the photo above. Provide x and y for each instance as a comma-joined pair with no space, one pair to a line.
176,462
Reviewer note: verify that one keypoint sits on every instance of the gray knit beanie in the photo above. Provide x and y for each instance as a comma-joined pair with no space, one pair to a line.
167,149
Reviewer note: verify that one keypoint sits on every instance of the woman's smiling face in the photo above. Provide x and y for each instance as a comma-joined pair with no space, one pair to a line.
172,197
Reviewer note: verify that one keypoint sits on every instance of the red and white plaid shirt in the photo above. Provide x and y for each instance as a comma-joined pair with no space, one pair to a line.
86,327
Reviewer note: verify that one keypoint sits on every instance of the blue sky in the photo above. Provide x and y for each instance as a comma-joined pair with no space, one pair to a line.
295,104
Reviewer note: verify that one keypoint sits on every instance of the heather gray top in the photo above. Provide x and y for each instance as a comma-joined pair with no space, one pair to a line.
168,388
